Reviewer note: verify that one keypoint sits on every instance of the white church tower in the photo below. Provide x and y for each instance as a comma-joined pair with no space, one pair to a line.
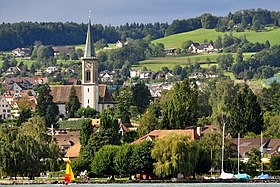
90,87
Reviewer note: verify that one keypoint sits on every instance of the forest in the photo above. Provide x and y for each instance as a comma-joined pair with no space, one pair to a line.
24,34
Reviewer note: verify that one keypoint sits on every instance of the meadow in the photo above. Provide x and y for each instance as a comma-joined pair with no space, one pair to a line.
156,64
199,35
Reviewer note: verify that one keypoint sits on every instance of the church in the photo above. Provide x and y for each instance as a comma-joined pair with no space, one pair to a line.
90,93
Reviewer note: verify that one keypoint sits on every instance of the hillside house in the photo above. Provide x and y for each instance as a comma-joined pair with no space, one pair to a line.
63,50
21,52
120,43
203,48
51,69
170,51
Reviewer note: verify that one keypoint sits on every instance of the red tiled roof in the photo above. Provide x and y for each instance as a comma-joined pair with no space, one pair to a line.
161,133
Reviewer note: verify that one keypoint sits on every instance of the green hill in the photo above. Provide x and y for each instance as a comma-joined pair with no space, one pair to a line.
200,35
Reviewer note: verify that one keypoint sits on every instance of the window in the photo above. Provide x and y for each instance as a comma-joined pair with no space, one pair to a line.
87,75
88,90
4,110
8,110
88,101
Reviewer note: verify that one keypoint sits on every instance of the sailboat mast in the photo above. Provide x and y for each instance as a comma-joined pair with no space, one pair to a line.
261,151
223,147
238,149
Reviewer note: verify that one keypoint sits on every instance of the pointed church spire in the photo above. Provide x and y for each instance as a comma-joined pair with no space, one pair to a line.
89,49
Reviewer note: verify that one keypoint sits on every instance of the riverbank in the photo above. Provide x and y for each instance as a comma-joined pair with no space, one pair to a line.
26,182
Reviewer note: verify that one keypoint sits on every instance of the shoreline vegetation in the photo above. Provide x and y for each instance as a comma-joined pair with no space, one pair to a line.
173,180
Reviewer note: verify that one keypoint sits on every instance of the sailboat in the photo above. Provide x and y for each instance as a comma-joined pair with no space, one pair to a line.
69,175
242,176
224,175
262,176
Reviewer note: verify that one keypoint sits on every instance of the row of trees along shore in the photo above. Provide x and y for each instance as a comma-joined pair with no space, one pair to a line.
24,34
106,152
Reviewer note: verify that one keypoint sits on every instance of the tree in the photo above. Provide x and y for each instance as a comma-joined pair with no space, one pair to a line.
225,61
220,99
45,107
141,159
148,123
124,102
32,69
141,97
24,115
85,132
182,110
208,21
123,159
275,163
174,154
270,97
44,52
103,162
245,113
218,43
239,56
73,104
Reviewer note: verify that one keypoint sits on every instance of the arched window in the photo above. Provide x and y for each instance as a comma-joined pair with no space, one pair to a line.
87,75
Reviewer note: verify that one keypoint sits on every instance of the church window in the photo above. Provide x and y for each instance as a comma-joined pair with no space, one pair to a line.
88,90
87,75
88,100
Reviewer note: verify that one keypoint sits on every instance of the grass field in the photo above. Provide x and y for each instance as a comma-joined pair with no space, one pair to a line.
156,64
200,35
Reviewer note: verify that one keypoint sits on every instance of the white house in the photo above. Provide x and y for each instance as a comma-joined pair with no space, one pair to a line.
120,44
203,48
51,69
5,108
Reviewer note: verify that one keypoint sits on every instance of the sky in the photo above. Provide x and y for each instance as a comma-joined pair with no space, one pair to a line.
119,12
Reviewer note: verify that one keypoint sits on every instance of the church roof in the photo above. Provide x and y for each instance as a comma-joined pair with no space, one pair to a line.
89,49
61,93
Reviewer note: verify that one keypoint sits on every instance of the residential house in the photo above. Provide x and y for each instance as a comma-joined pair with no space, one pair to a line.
120,43
65,138
203,48
161,133
5,108
51,69
21,52
106,76
13,70
134,73
170,51
145,74
63,50
268,146
26,82
39,80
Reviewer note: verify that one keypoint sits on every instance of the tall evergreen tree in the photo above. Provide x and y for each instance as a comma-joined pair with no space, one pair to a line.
46,108
182,110
245,113
73,104
141,97
124,103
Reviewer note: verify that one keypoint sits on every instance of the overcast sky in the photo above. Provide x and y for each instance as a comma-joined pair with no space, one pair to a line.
117,12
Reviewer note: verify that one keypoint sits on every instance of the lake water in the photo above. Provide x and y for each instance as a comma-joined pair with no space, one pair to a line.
160,185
